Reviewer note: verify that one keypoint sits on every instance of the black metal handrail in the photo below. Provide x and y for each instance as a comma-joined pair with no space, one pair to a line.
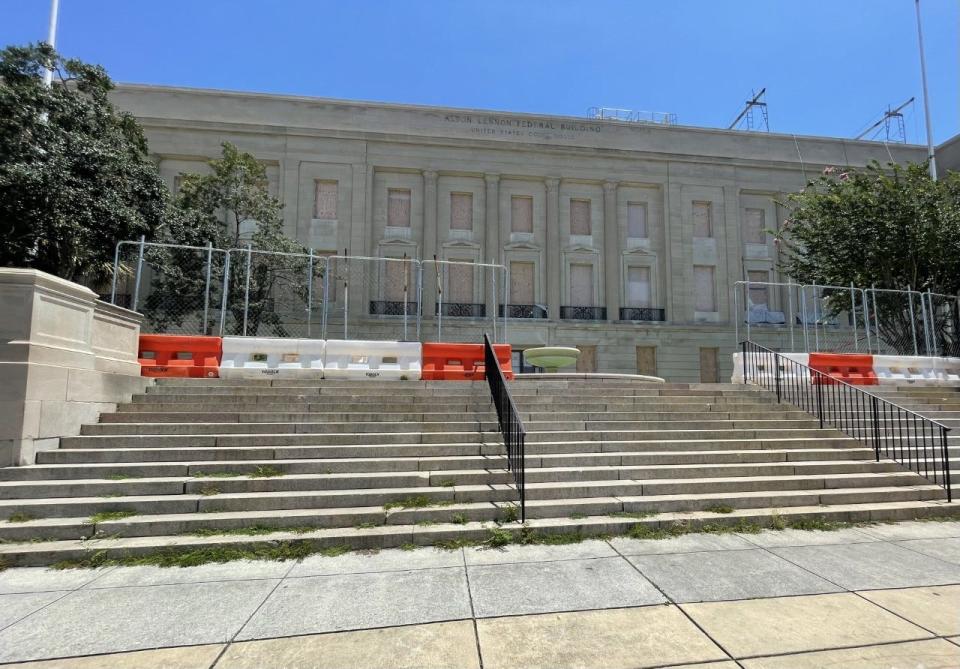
511,425
895,432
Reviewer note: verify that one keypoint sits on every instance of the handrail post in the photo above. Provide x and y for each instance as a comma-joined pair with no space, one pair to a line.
876,426
746,374
819,397
776,374
944,449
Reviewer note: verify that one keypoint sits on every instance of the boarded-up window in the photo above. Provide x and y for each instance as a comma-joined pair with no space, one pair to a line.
398,208
587,360
647,360
759,294
580,217
521,213
460,282
581,285
709,365
638,286
637,220
325,202
396,278
704,288
461,211
702,220
754,227
521,283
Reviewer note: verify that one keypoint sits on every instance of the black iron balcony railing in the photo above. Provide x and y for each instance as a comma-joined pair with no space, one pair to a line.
508,418
583,313
523,311
461,309
392,308
642,314
892,431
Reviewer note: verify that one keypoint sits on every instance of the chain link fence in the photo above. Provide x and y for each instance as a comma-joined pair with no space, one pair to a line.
176,287
846,319
249,292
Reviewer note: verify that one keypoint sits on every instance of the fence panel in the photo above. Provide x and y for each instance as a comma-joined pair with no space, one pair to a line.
898,321
943,318
461,300
834,319
770,312
175,287
273,294
372,298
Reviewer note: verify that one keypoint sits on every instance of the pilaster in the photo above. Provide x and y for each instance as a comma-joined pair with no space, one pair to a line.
429,295
611,250
553,270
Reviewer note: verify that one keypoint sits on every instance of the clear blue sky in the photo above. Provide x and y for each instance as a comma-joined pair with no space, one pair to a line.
830,66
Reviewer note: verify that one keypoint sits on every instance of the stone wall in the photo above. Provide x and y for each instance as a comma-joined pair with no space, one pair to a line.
64,357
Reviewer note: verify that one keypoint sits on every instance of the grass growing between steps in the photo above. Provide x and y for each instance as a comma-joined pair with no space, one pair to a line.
103,516
497,537
416,502
19,517
252,531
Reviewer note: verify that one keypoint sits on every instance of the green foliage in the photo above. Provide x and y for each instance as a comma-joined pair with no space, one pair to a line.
19,517
230,207
890,226
111,515
511,514
75,175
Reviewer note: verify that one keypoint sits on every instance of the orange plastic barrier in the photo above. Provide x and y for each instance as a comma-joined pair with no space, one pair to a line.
461,362
180,356
853,368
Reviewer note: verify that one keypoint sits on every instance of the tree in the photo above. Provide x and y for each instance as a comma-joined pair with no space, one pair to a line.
889,226
75,175
230,207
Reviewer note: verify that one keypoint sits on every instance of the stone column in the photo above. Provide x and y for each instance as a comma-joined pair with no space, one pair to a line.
611,251
491,240
429,248
553,271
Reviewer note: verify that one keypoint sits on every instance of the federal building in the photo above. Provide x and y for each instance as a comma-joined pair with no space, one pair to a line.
621,238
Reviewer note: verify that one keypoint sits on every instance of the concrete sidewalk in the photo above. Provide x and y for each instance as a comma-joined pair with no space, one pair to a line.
877,596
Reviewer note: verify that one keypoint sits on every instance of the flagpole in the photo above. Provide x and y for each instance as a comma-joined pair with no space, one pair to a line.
52,37
926,97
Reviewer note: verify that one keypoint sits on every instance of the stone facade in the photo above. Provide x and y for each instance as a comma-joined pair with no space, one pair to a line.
643,228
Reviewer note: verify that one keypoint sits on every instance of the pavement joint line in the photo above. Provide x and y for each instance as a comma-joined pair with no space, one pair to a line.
899,544
833,648
252,614
858,593
473,611
108,653
671,601
66,593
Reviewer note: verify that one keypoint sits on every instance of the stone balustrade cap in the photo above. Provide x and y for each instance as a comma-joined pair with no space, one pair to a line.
33,277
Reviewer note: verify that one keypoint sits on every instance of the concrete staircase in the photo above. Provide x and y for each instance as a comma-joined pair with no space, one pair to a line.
196,463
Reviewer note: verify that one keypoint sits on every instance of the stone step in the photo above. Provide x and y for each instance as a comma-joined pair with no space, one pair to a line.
184,523
50,552
383,427
121,471
451,390
410,479
376,438
183,454
194,417
345,498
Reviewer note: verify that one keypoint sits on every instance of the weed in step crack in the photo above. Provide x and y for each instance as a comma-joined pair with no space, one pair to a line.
459,519
19,517
216,475
719,508
103,516
209,491
415,502
265,472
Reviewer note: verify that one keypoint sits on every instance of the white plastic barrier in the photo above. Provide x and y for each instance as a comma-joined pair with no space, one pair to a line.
253,357
918,370
761,364
348,359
